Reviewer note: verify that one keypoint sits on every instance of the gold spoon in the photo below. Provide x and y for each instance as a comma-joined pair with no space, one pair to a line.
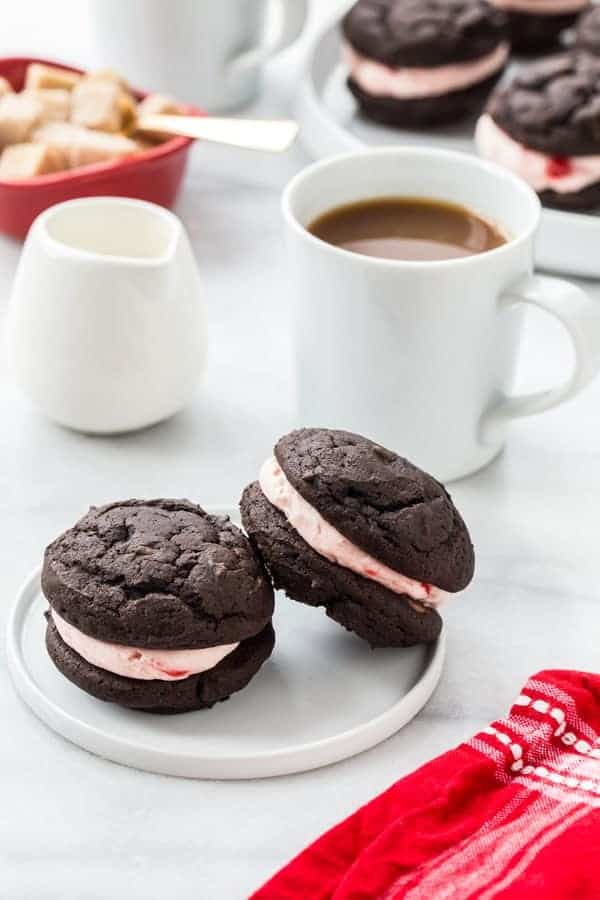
270,135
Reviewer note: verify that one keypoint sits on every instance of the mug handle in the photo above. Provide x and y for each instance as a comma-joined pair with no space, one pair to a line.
580,315
292,16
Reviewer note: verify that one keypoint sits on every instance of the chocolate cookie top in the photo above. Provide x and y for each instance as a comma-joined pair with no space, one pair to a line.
382,503
158,573
424,32
588,31
553,105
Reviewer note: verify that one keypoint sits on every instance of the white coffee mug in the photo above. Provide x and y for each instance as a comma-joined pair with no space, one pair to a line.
107,324
205,52
421,356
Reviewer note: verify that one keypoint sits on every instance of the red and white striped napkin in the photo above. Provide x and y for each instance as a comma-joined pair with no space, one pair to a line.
513,814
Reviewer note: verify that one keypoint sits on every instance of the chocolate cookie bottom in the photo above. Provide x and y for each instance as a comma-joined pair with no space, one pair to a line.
197,692
361,605
423,112
579,201
531,33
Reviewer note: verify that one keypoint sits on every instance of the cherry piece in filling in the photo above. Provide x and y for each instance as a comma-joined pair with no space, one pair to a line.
559,167
172,673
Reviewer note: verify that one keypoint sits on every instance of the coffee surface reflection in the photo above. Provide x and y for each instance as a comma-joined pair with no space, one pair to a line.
407,228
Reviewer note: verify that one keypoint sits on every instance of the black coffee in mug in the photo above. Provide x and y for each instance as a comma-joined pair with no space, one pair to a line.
407,228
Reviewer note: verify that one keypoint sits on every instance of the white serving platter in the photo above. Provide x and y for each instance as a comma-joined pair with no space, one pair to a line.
322,697
330,123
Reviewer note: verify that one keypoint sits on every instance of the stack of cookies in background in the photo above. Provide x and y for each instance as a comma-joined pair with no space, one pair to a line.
426,63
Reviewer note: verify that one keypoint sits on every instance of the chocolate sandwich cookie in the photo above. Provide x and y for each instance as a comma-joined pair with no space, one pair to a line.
545,127
348,525
415,63
536,26
587,38
157,605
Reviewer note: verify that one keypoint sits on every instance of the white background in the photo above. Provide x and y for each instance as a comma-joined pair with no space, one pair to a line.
73,827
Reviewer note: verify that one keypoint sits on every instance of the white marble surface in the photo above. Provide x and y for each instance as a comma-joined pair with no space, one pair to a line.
74,827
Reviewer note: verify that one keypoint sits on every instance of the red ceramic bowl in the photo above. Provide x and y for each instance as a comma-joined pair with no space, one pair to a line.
154,175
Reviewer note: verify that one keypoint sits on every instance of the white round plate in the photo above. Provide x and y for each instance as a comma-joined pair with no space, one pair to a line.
323,696
567,242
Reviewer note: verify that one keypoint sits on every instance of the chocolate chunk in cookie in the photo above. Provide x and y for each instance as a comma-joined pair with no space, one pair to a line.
553,105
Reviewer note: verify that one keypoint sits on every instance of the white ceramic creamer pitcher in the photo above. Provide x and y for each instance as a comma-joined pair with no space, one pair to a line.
107,325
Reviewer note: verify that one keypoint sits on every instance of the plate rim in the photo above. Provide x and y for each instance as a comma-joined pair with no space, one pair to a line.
293,759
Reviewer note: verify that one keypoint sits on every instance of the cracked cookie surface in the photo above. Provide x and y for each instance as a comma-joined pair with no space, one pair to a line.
382,503
553,105
196,692
424,32
158,574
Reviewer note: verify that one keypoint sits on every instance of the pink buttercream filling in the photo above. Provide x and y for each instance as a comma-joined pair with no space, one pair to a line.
142,664
564,175
328,542
542,7
407,83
